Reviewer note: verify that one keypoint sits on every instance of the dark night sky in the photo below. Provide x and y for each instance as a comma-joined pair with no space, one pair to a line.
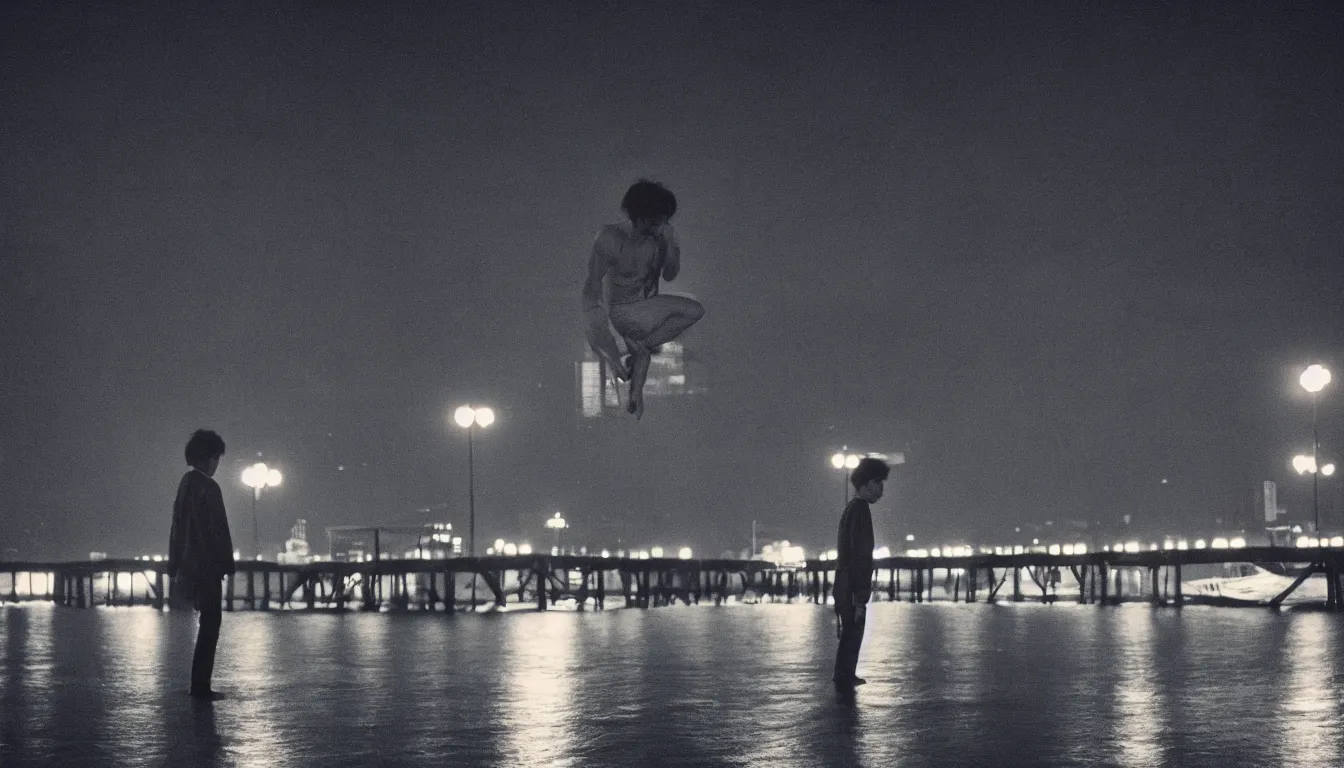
1056,254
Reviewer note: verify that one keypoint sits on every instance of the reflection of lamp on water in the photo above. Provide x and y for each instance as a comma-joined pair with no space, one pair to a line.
845,463
557,524
1314,379
256,477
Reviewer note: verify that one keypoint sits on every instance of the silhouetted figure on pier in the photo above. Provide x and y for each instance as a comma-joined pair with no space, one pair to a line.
200,550
628,260
854,568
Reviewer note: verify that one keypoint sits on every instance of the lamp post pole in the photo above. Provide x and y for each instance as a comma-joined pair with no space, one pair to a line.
471,489
1314,379
1315,463
256,477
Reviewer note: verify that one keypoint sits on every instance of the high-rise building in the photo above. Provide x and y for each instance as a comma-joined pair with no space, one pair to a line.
673,371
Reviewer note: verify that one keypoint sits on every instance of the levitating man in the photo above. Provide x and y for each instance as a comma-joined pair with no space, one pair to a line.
854,567
628,261
200,550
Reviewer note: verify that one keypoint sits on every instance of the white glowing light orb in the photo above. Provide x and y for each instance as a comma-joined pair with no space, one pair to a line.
1237,543
1219,543
485,417
1303,542
838,461
1304,464
464,416
1314,378
1054,549
499,544
684,553
524,549
851,461
1337,541
273,477
1328,470
881,552
510,549
1199,544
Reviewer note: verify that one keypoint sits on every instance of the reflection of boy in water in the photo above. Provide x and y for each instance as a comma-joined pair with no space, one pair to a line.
632,258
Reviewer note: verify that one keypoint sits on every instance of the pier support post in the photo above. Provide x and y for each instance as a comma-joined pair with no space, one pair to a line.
1017,584
158,590
1178,595
891,585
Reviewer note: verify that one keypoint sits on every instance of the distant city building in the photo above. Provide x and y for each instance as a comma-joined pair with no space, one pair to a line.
356,543
296,547
673,371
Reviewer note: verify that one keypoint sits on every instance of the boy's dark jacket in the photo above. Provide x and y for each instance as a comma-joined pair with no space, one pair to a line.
199,546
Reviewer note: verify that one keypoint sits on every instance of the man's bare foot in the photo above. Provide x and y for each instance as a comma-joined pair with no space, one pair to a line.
639,373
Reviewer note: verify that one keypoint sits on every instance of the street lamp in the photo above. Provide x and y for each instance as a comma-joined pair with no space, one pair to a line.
256,477
470,418
557,524
843,462
1314,379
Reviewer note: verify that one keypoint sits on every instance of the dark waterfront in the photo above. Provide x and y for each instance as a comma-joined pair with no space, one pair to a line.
949,685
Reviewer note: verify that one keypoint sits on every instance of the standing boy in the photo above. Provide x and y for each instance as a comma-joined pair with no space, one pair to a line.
200,550
854,567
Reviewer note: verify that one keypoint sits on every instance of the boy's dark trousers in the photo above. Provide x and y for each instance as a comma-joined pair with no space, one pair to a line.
851,637
208,597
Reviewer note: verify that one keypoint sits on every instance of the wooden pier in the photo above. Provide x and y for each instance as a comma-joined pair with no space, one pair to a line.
453,584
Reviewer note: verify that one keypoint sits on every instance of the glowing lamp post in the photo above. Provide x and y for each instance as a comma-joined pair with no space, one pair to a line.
470,418
256,477
1314,379
845,463
557,524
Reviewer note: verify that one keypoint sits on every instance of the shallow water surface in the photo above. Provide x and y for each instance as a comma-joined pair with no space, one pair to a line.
949,685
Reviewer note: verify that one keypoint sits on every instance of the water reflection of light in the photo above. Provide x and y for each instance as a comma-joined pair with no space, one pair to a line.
247,660
1139,700
38,661
537,708
785,635
1310,711
131,674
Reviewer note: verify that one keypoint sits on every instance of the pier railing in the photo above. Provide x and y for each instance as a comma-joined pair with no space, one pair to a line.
449,585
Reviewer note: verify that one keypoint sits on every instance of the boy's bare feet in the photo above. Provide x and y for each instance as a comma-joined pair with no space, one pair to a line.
639,373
